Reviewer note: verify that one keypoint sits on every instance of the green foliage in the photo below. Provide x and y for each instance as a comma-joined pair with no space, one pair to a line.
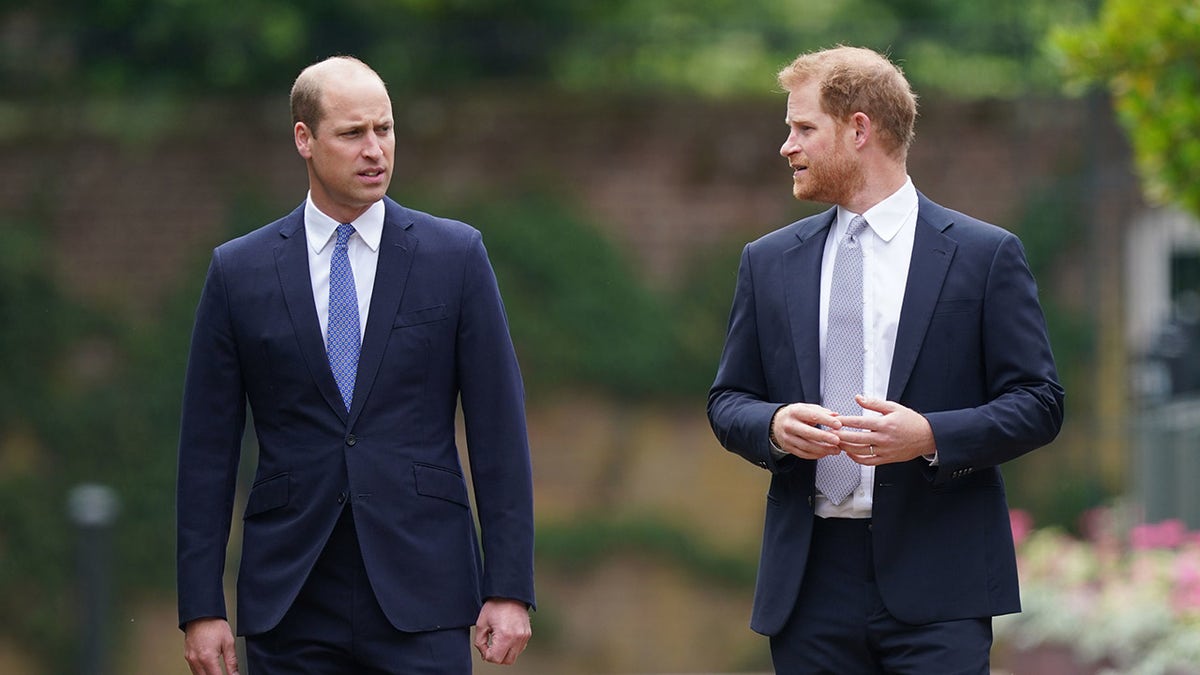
39,404
710,47
86,398
1051,229
579,313
197,47
1146,54
700,315
724,47
35,551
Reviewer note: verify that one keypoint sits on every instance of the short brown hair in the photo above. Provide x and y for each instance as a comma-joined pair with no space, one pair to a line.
854,79
306,91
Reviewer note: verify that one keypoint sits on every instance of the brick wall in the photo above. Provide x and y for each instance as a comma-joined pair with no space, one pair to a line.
665,178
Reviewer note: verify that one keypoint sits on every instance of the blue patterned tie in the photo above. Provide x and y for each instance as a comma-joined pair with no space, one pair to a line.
838,475
343,342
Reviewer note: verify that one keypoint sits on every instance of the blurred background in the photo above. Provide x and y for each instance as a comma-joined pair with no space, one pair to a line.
616,156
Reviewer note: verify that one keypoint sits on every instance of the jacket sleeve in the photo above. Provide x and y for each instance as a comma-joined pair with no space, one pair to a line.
739,408
493,403
213,421
1024,400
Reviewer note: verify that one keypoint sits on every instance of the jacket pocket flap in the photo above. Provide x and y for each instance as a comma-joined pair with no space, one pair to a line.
267,494
434,481
419,316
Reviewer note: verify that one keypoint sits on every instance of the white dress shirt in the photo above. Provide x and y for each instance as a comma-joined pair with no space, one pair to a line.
887,246
363,250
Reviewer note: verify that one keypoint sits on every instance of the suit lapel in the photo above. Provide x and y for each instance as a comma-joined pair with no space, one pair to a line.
291,262
802,275
931,256
396,249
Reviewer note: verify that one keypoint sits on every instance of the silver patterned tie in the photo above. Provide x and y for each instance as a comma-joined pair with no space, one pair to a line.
838,475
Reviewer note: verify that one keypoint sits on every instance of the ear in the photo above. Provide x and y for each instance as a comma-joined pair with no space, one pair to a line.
861,124
304,139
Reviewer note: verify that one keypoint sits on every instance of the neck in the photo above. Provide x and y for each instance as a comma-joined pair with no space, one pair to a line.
880,184
339,212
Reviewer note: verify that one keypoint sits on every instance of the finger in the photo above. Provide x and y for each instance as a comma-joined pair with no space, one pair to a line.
810,450
878,405
857,439
820,439
861,423
801,430
206,667
860,451
231,662
812,415
483,640
496,654
506,648
865,459
791,441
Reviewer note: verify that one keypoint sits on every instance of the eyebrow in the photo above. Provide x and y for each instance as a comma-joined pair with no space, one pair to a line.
355,126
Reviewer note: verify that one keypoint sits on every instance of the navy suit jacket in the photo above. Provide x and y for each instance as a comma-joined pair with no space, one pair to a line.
971,355
436,334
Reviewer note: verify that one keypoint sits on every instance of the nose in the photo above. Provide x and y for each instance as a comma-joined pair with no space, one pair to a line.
789,146
372,148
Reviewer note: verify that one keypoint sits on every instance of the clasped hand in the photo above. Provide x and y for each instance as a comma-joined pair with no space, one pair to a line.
895,434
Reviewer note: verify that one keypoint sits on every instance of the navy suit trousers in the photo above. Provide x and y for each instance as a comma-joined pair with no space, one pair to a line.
840,625
336,627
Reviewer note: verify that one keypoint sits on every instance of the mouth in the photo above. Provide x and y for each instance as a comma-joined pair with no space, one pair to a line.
374,174
797,169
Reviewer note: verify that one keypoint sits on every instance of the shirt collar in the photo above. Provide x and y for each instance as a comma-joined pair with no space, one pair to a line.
887,217
320,228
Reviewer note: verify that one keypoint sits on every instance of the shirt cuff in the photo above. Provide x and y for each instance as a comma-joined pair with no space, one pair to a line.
777,452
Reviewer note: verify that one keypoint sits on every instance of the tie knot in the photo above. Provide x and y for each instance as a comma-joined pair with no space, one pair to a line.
857,225
344,231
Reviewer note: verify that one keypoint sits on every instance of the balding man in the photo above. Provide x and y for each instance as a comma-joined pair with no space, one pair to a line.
354,328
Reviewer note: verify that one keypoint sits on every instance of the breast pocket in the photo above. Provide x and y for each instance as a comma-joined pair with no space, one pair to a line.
418,317
957,306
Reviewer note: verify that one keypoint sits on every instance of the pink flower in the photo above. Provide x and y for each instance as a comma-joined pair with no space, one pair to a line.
1021,523
1169,533
1185,595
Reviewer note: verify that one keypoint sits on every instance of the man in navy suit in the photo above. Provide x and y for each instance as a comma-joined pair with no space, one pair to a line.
360,552
882,396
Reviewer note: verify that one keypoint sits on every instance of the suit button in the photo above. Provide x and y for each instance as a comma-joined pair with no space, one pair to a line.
342,498
351,440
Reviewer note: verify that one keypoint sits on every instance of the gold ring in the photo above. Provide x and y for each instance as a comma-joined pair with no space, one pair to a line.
872,450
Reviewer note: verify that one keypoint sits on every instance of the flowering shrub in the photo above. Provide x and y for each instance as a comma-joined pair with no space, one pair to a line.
1124,597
